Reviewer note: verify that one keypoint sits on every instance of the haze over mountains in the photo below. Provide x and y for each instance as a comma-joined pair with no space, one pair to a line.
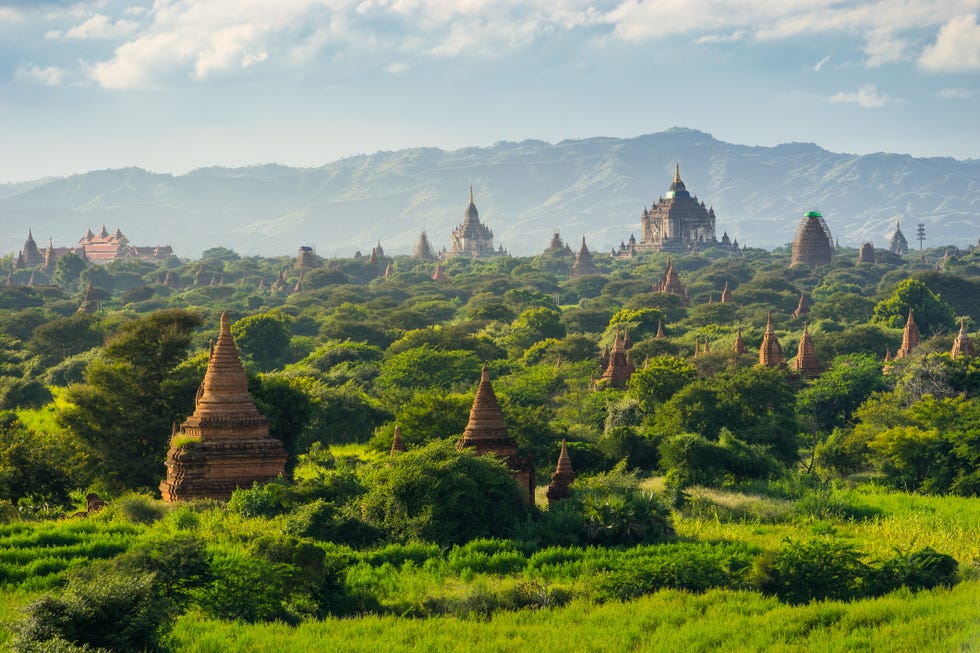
524,191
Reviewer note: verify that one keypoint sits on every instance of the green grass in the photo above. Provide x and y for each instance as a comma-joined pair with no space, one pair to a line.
938,620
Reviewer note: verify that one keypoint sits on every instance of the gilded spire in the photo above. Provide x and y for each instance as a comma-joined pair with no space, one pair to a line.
677,172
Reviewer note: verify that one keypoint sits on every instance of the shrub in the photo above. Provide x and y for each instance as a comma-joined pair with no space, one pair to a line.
139,508
815,570
922,569
113,611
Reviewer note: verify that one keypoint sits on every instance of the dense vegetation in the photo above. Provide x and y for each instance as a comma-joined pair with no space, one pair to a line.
708,474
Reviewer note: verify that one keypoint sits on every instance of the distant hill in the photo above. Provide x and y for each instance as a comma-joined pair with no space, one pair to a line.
595,187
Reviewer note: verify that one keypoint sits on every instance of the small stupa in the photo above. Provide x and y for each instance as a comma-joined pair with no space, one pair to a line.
90,302
562,479
584,265
802,309
225,444
739,347
486,433
671,283
770,353
619,369
397,446
726,295
962,346
910,338
806,363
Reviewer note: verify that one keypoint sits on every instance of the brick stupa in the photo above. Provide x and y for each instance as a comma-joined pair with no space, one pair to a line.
619,368
910,338
739,347
562,479
806,364
486,433
770,352
962,346
584,264
225,444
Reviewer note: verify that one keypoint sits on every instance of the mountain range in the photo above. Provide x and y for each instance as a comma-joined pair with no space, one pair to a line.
593,187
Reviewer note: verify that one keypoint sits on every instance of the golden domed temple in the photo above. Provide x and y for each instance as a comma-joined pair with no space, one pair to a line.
678,222
813,244
225,444
473,238
486,433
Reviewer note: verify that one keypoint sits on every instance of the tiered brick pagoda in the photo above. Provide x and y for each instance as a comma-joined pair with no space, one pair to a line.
802,309
423,250
306,259
898,245
584,264
770,352
962,346
739,347
671,283
486,433
619,368
910,338
225,444
867,253
397,446
562,479
806,364
813,244
473,238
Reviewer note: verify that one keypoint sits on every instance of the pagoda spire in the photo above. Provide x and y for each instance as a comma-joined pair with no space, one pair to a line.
660,329
770,353
739,347
806,356
802,308
910,337
962,346
562,479
397,446
677,171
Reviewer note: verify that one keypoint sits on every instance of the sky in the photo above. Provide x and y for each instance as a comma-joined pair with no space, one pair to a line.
173,85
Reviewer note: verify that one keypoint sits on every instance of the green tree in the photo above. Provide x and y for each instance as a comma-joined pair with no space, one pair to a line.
830,400
264,338
124,410
67,270
534,325
659,380
438,494
425,367
58,339
932,315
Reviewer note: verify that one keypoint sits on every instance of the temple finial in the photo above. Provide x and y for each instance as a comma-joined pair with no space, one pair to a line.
225,329
677,172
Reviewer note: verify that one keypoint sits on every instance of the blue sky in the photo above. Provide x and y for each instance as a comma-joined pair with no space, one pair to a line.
171,85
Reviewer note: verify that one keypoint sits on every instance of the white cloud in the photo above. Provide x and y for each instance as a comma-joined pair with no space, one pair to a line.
883,47
10,15
957,47
47,76
101,26
955,94
817,67
734,37
397,67
866,97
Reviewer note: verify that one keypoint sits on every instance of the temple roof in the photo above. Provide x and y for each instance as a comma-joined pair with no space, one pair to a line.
486,429
223,399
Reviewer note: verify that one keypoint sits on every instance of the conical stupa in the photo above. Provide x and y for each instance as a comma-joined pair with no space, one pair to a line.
562,479
225,444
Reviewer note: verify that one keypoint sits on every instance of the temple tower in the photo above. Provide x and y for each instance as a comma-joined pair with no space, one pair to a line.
472,237
726,295
898,245
813,244
677,222
802,309
397,446
770,353
90,302
671,283
562,479
867,253
306,259
584,265
910,338
962,346
739,347
486,433
225,444
806,363
619,369
423,250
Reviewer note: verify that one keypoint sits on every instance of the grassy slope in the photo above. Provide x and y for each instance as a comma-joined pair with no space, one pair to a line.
938,620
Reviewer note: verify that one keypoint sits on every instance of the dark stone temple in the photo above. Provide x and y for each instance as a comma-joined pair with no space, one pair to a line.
225,444
678,222
486,433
